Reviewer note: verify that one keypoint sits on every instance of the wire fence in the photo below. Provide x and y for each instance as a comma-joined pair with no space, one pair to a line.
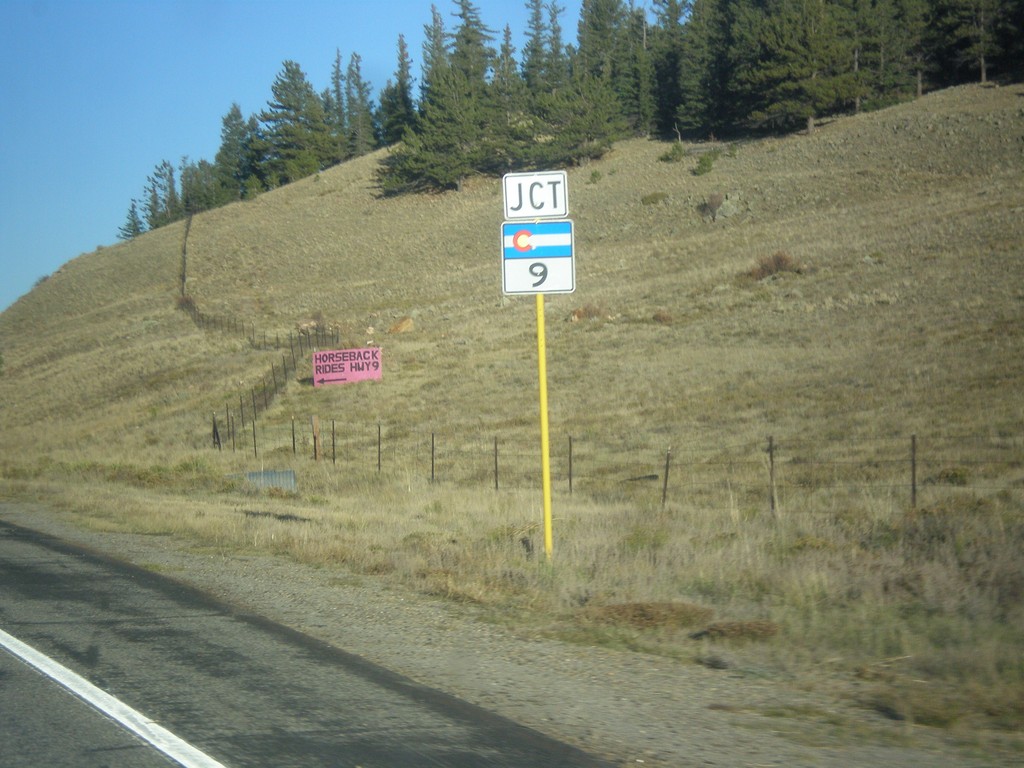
907,469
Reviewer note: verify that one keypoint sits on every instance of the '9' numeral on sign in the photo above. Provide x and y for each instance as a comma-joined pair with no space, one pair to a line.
539,270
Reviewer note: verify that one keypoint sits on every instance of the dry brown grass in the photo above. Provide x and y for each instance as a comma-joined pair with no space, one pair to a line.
909,322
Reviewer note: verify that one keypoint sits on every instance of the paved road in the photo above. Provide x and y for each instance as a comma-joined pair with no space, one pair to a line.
241,689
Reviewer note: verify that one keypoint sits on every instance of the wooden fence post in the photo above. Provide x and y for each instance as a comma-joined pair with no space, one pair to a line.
664,487
378,447
913,471
293,435
570,465
255,453
771,474
333,444
315,421
495,462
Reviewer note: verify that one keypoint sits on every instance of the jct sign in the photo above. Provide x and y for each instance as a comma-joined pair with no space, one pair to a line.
344,365
543,195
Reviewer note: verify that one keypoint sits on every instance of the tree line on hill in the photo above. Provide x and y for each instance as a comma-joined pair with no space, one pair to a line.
684,68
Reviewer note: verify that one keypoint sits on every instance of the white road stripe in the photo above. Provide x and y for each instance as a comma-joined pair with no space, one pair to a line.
180,751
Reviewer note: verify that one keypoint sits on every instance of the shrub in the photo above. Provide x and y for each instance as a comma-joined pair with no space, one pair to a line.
587,312
648,615
595,176
778,262
654,198
715,200
706,162
676,154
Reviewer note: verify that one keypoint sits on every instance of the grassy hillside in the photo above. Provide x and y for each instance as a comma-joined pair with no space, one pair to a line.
899,311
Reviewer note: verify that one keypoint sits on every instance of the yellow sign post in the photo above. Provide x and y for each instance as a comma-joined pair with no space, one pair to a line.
545,454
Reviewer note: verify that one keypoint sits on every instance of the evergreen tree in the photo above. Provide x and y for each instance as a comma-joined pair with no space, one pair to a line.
965,37
890,74
545,65
447,145
200,186
435,54
471,52
858,21
511,131
667,55
704,72
637,81
535,56
558,66
802,65
362,132
397,111
232,162
911,39
584,120
1010,40
133,226
598,37
296,139
162,203
333,99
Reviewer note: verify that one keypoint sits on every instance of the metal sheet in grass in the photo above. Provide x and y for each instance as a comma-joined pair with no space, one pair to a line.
283,479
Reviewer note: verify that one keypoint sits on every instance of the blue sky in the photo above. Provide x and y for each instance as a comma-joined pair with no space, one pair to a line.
95,93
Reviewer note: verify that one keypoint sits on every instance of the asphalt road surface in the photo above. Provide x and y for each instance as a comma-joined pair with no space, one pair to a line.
238,689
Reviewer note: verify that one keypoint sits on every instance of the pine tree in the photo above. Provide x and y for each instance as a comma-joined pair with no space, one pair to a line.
362,131
471,52
435,54
200,186
802,67
296,139
232,161
667,53
133,226
512,128
397,111
333,99
584,120
446,146
911,36
535,57
162,203
598,38
545,65
891,74
702,74
637,79
965,37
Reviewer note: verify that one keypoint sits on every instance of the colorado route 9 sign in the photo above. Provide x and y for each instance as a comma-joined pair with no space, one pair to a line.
537,257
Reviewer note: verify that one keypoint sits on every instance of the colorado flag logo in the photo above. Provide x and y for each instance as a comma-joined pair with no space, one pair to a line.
537,257
539,240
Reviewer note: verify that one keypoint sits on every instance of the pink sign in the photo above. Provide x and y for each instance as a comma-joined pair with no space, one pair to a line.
341,366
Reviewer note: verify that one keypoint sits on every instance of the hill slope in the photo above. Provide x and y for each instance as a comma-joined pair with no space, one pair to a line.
907,311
